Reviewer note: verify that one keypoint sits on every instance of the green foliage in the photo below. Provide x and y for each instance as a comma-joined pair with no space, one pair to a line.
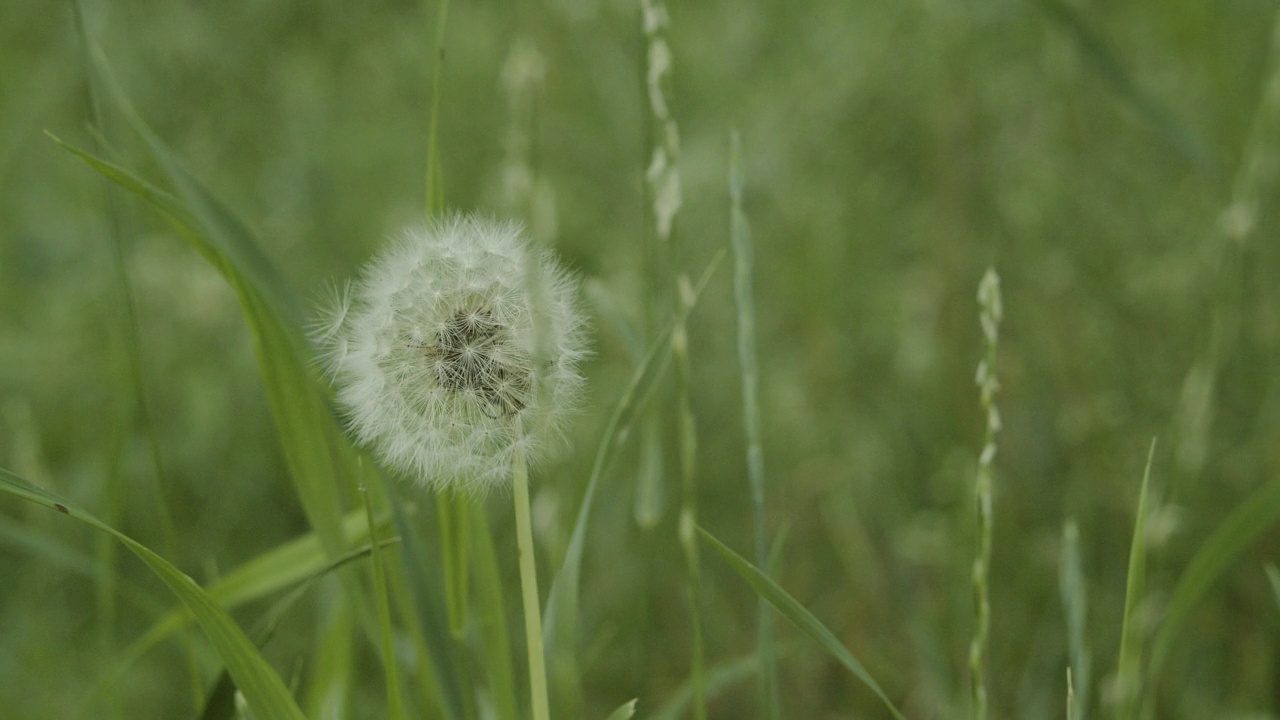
1115,162
798,615
261,686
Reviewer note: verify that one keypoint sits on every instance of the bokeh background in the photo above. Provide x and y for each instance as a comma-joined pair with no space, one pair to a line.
1115,162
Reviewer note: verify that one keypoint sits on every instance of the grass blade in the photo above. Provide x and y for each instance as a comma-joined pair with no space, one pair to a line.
319,459
299,562
256,679
1129,665
560,618
1259,512
743,294
1273,576
435,173
221,705
395,702
625,711
1177,134
1075,606
492,617
426,610
329,686
799,616
719,677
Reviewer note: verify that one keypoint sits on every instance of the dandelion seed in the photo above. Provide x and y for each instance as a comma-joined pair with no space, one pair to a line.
457,347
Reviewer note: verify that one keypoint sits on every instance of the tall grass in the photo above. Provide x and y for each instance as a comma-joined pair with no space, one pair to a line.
1091,151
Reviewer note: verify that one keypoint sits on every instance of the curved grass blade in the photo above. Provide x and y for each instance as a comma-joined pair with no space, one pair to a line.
625,711
1177,134
560,619
1259,512
221,704
58,554
1129,665
319,459
719,677
256,679
272,571
799,616
307,432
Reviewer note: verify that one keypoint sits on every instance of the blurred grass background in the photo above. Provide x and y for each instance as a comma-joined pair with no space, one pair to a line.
1115,162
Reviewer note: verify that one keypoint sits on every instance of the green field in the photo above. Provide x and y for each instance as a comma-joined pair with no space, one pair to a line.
1115,163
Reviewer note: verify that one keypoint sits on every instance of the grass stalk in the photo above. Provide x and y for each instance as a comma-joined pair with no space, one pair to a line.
529,592
1129,665
1075,606
743,283
663,177
991,312
453,515
435,175
395,701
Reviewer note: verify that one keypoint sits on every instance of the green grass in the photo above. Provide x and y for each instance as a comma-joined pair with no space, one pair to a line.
215,167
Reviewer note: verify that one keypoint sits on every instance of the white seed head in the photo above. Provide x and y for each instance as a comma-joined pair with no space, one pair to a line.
457,347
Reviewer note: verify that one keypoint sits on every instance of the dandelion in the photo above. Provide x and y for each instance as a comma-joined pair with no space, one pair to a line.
455,353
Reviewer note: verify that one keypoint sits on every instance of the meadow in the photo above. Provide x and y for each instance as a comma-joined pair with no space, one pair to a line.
785,322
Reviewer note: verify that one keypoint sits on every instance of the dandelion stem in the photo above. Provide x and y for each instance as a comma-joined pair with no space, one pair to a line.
529,590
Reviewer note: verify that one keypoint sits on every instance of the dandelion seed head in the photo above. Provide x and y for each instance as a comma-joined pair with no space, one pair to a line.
457,347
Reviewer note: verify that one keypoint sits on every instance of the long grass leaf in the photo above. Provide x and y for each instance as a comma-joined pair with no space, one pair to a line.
1129,665
221,705
298,562
318,457
560,618
435,172
1094,48
53,552
395,701
720,677
492,615
744,299
267,573
332,664
799,616
1075,606
256,679
427,610
1259,512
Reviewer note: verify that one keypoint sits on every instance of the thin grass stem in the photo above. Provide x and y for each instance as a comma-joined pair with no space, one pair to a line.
435,175
529,592
395,701
743,283
1132,634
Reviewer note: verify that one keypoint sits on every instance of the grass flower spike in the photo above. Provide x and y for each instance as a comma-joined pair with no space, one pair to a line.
455,350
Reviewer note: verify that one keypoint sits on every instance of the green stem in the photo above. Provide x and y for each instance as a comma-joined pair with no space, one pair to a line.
529,590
